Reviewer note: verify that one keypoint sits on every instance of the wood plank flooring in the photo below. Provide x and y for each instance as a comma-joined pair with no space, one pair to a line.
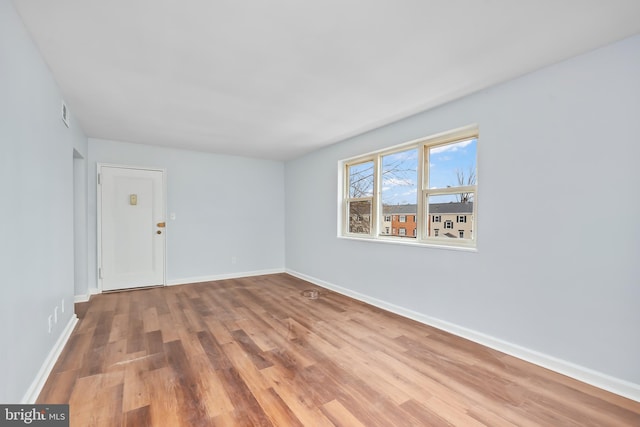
256,352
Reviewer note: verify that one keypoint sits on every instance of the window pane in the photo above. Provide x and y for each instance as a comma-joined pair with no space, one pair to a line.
399,193
400,178
453,165
360,217
361,180
444,213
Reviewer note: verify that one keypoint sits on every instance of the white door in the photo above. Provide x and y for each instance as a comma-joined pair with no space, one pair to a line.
131,227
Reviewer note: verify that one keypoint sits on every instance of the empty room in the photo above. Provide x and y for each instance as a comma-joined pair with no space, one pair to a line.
360,213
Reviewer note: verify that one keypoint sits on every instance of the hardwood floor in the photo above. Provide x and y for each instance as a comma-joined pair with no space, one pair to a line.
255,351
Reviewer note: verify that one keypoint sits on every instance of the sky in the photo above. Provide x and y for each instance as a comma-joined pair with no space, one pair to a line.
399,184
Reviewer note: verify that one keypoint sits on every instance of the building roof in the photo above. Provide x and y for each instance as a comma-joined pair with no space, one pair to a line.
451,208
434,208
399,209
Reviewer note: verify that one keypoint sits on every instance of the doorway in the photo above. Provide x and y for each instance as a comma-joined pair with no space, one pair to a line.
80,248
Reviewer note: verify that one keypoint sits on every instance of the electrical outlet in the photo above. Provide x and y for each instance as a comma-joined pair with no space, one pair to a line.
234,260
55,315
50,322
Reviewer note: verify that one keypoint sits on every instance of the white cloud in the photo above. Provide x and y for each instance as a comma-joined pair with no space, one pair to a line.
392,182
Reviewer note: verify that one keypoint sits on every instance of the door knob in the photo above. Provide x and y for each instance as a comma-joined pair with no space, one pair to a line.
161,224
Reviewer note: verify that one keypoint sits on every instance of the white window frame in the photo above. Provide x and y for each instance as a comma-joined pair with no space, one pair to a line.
422,216
349,199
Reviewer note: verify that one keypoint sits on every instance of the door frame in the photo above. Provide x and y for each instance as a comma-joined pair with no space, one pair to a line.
99,167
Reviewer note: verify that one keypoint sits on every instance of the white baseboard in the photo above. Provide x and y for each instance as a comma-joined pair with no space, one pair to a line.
81,298
86,297
598,379
43,374
212,278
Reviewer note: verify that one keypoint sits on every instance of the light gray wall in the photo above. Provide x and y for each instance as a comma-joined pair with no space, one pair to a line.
557,269
225,207
36,211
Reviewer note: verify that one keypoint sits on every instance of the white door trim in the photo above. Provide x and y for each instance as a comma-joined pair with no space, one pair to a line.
99,167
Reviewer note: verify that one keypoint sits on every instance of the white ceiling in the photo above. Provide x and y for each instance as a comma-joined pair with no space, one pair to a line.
276,79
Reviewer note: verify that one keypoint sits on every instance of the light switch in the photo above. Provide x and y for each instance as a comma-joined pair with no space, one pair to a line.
133,199
172,216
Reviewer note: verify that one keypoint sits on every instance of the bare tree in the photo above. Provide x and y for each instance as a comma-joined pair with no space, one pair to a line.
361,184
466,178
360,217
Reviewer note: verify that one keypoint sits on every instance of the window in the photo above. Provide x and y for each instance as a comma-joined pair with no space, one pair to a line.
424,182
360,197
397,178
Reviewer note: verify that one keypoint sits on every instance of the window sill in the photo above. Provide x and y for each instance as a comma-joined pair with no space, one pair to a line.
410,242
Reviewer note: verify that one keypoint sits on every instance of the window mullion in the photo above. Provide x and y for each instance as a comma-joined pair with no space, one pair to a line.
451,190
420,215
360,199
377,188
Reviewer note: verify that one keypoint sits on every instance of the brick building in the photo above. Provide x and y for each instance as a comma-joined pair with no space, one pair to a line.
453,220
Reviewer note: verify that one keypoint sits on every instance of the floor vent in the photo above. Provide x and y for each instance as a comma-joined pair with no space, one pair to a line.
310,294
